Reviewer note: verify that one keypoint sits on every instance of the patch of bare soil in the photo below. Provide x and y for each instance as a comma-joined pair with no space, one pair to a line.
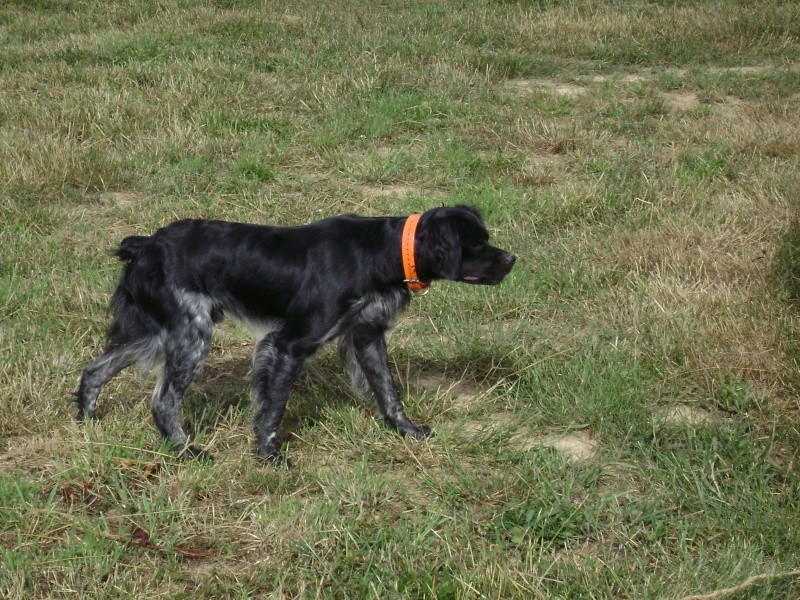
627,78
575,446
461,394
384,191
748,70
570,90
730,106
681,101
488,425
108,207
541,169
119,199
682,414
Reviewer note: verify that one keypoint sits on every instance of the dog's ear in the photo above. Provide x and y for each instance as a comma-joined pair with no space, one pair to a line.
441,237
438,246
468,213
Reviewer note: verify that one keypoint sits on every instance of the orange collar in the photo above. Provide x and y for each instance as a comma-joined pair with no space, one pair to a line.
409,267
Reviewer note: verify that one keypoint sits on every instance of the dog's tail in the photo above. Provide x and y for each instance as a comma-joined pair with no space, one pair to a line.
130,247
140,303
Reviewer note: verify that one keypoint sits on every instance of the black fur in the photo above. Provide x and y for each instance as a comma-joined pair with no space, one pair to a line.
302,286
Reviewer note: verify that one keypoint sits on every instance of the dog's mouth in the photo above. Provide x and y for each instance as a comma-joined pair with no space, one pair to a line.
489,276
481,280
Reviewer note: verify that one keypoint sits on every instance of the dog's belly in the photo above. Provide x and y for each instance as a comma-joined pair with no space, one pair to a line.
260,328
374,309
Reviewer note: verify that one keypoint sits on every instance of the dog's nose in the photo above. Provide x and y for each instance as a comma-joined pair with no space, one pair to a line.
509,260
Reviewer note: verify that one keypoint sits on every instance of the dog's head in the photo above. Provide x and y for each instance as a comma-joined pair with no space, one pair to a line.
453,243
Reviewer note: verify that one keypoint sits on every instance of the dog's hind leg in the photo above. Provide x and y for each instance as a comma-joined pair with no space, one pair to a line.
134,336
98,373
368,346
185,349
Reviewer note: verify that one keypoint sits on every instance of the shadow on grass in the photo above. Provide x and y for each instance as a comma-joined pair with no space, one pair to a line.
222,389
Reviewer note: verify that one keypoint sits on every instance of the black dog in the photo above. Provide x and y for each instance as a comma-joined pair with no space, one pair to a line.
301,286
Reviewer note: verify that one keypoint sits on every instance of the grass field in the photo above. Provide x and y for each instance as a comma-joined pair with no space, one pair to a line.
619,419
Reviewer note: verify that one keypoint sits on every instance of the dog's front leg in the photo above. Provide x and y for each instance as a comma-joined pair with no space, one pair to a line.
275,367
369,345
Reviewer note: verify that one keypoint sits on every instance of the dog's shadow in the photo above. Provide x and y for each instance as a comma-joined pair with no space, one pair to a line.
222,391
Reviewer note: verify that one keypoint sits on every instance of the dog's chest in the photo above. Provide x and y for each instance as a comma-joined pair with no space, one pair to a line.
376,308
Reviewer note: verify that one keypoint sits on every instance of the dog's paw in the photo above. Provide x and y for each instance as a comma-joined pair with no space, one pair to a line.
418,432
194,453
87,417
275,459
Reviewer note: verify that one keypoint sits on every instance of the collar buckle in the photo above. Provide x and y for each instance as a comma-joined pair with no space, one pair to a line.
417,287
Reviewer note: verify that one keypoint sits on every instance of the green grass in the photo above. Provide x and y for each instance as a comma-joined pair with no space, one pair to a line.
618,419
